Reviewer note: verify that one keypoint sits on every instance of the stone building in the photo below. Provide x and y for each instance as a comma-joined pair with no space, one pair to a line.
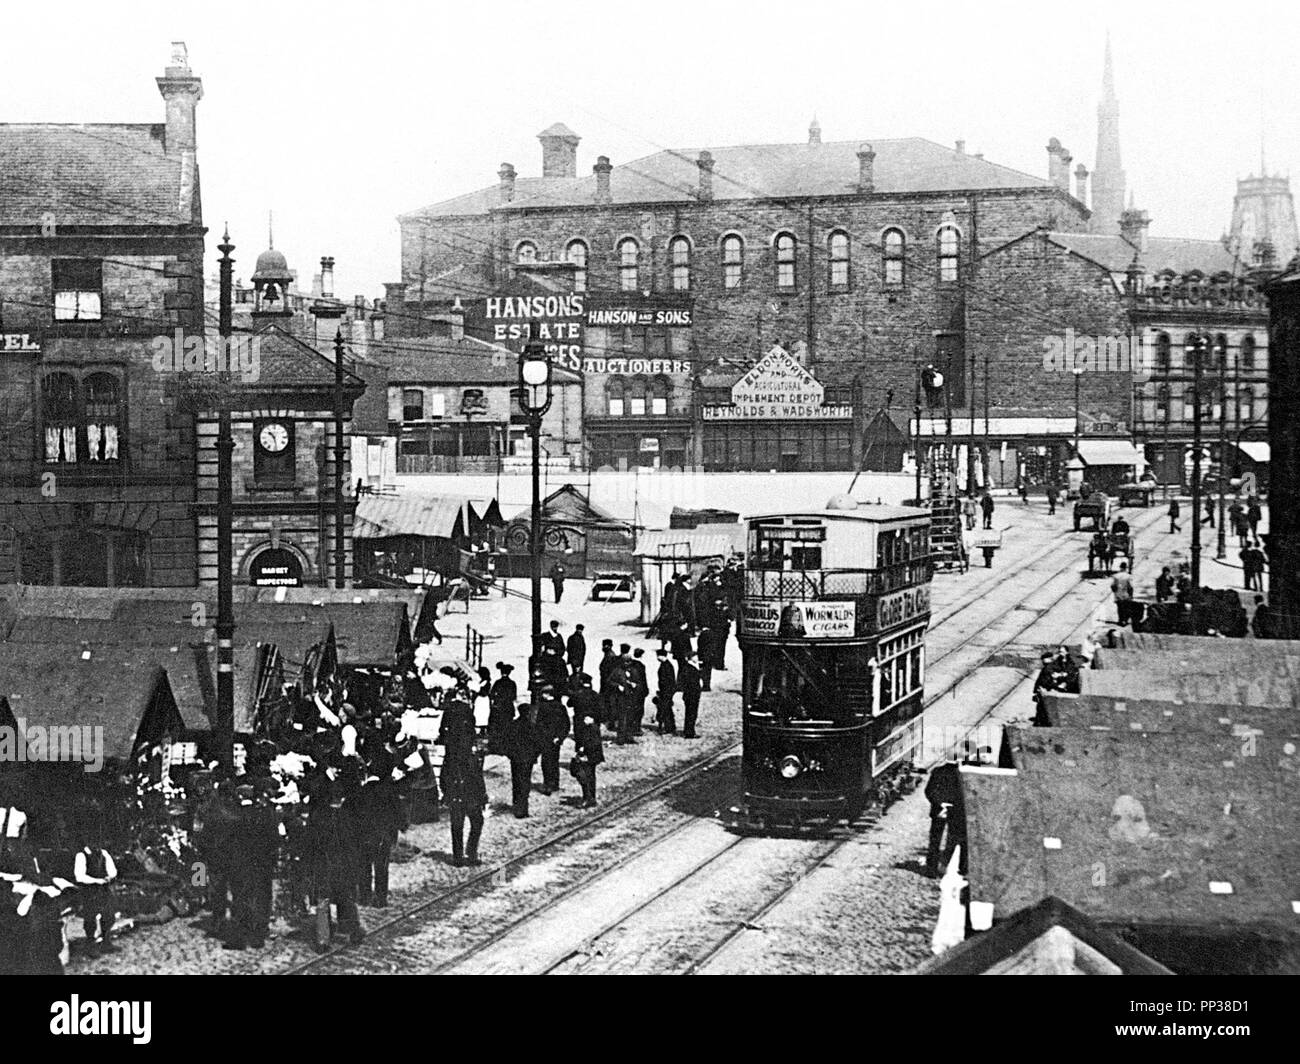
856,257
101,273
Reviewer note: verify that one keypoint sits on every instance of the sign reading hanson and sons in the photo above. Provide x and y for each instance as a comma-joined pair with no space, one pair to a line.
778,387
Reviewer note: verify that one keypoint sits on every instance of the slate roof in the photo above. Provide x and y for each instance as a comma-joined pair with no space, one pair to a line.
1007,947
52,685
442,360
289,361
1180,254
95,175
756,171
1100,712
1215,686
1140,828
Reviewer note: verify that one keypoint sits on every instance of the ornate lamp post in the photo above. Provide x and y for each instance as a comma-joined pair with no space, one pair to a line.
534,401
225,722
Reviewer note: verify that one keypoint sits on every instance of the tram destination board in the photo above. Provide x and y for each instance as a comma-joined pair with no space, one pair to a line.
796,533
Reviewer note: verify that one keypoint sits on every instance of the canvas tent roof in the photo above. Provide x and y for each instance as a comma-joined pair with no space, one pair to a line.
706,541
1049,938
1111,453
431,516
125,693
1186,830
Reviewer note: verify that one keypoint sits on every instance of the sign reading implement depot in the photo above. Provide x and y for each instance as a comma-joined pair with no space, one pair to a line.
778,387
798,620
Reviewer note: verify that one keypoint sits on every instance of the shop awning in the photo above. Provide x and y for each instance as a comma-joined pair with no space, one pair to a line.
1111,453
1256,450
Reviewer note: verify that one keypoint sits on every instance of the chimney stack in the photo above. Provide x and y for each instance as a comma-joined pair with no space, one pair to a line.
507,176
1133,227
182,91
327,277
1081,184
601,170
866,168
559,151
961,147
815,132
1066,160
1057,172
705,163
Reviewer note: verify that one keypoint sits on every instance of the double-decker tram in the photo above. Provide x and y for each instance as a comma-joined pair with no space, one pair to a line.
832,631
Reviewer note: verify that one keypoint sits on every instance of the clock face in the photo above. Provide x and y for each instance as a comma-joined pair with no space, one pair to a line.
273,437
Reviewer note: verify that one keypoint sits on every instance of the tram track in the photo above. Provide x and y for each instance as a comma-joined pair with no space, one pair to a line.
370,953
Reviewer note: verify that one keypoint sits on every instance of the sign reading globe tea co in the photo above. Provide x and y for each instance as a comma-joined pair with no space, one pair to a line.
775,619
777,388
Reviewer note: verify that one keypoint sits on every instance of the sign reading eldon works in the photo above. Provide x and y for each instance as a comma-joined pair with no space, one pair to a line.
559,321
778,387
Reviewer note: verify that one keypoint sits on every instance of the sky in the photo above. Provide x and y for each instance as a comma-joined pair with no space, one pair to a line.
337,118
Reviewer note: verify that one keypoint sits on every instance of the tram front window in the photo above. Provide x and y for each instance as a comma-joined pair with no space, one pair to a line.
809,685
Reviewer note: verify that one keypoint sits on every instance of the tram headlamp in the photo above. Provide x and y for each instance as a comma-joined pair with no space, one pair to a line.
790,767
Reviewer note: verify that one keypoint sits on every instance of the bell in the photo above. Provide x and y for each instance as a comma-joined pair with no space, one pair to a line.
271,294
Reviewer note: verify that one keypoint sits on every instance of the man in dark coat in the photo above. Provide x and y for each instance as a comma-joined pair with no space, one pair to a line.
733,584
608,659
553,639
681,643
947,817
1253,516
333,839
501,707
463,788
522,750
707,653
379,812
667,677
557,580
640,690
986,507
552,729
576,650
688,682
588,749
722,630
622,682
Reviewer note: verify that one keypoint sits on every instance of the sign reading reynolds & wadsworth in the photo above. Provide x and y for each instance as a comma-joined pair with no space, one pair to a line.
777,388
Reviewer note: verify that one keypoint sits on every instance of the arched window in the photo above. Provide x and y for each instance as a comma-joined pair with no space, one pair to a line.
1219,352
895,248
948,243
1162,352
103,411
60,414
525,252
679,256
616,392
576,253
1247,355
785,260
733,260
637,397
838,247
660,390
629,260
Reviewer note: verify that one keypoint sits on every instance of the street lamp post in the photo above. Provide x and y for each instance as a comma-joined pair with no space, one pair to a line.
1078,377
225,720
916,420
1195,349
534,401
1221,350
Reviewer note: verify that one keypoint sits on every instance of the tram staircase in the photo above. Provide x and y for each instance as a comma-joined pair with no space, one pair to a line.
947,547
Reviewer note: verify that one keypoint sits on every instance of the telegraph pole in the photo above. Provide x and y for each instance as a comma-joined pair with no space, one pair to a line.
340,503
225,722
1195,348
916,415
1221,349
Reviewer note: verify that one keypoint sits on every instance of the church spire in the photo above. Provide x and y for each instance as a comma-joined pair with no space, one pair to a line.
1108,173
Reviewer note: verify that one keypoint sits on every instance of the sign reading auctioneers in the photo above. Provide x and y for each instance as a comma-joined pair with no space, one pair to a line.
777,387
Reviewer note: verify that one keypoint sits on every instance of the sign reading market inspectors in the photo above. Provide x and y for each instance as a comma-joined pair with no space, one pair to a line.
778,387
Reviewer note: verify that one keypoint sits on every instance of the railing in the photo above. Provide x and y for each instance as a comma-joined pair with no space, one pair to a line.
473,646
813,584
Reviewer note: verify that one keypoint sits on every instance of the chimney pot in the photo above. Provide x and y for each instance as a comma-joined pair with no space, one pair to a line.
601,170
866,168
507,176
1133,225
1081,184
815,132
705,163
327,277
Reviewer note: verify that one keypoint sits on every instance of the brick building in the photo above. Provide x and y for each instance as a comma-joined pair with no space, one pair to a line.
101,254
856,258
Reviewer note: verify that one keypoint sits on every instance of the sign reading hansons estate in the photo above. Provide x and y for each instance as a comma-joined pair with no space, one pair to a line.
778,387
